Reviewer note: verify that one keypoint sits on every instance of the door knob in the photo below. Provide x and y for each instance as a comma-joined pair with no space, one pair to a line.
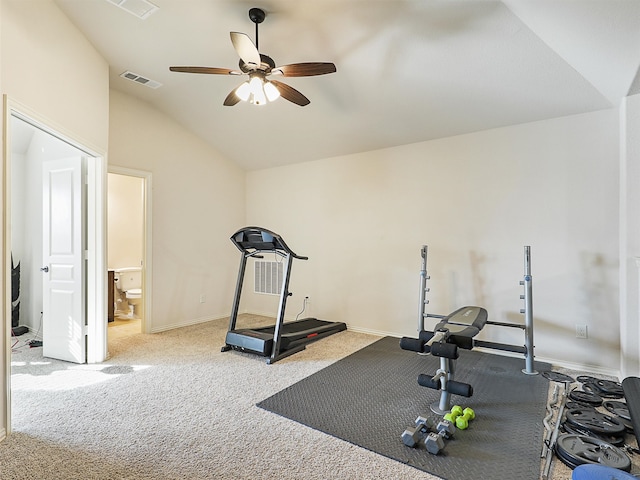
44,269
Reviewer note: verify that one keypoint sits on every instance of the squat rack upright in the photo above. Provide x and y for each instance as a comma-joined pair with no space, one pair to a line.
527,282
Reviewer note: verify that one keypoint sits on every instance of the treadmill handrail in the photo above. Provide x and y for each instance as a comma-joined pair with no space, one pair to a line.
245,240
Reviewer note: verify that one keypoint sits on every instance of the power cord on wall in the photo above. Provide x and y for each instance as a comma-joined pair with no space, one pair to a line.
304,306
33,342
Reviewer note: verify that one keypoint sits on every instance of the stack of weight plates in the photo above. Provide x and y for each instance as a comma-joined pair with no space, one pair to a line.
575,450
603,388
593,437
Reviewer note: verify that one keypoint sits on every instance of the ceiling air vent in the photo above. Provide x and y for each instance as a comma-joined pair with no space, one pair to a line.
134,77
140,8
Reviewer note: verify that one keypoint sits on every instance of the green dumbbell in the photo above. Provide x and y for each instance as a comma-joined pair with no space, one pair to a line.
460,417
455,412
462,421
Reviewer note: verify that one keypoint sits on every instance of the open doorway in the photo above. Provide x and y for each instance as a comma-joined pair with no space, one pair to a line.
33,147
128,220
33,151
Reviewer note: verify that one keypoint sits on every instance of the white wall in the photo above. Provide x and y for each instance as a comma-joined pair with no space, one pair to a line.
630,237
476,200
125,221
50,67
198,202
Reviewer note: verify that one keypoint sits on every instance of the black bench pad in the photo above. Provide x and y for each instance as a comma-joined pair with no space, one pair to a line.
631,388
464,322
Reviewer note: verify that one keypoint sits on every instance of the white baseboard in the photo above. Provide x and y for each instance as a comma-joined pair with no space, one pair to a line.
188,323
593,369
369,331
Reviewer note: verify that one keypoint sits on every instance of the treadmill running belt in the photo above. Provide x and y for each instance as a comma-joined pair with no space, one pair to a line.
292,334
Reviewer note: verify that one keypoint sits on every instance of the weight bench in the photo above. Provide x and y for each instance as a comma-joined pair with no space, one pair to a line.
454,331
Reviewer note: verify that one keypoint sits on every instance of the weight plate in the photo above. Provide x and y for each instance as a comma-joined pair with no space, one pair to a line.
596,422
577,450
609,389
616,440
613,396
617,408
572,405
591,387
585,398
609,386
586,378
627,424
557,377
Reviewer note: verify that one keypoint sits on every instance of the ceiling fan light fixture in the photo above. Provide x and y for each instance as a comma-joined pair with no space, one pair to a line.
243,92
258,90
259,99
255,85
271,91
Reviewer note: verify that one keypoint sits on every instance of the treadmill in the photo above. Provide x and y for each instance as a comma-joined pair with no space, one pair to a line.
282,339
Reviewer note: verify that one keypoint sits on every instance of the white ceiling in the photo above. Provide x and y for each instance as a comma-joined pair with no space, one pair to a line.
407,70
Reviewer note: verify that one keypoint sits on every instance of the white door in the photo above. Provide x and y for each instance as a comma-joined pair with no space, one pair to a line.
63,308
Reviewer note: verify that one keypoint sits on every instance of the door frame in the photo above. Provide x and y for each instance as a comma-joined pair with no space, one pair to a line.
96,268
145,325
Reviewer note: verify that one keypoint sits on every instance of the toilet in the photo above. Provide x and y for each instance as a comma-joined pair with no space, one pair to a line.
128,280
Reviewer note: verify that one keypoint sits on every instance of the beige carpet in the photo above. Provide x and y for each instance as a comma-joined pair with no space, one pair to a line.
172,406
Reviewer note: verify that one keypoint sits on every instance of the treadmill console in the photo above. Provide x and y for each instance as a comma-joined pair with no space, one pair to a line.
251,239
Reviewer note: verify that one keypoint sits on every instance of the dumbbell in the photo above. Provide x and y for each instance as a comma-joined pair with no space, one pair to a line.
412,435
435,434
460,417
434,442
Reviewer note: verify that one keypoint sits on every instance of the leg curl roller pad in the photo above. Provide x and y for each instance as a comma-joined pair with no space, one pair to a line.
456,388
446,350
412,344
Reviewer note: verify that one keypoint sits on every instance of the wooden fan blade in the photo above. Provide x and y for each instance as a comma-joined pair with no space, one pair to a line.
210,70
245,48
306,69
291,94
231,99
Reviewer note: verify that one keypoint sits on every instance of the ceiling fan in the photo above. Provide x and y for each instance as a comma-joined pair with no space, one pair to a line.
259,89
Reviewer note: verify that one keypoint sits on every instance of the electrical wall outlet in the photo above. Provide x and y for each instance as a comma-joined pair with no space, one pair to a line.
203,298
581,331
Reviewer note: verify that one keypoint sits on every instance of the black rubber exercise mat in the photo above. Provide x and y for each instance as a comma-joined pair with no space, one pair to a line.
371,396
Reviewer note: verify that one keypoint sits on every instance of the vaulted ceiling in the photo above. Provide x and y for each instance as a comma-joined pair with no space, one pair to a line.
407,70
